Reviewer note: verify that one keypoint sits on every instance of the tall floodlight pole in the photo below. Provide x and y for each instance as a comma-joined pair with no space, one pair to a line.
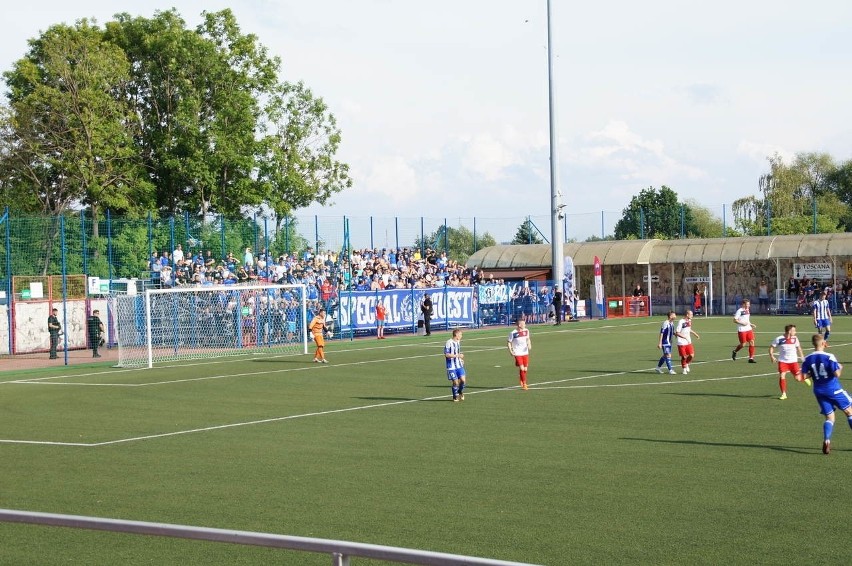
557,213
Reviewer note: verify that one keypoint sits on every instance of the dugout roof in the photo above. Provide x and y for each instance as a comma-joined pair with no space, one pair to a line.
643,252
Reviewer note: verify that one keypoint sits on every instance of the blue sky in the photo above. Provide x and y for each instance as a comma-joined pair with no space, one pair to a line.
443,105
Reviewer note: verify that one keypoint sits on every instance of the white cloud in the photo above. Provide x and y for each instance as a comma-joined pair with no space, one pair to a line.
489,155
758,151
703,93
391,178
631,157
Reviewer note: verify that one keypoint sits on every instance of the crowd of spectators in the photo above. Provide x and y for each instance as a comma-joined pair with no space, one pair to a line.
325,274
805,291
363,270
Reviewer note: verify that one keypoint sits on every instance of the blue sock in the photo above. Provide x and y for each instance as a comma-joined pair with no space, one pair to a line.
668,362
827,332
827,429
662,360
461,387
455,391
849,420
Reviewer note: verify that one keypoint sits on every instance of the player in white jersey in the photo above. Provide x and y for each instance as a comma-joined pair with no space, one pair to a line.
519,346
790,352
455,364
684,332
822,316
745,331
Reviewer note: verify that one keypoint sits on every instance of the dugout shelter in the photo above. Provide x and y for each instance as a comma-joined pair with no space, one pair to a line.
725,269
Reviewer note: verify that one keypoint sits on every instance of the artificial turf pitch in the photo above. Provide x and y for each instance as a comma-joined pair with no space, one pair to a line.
602,461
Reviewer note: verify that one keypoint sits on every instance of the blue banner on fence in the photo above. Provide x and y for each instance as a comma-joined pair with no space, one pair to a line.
492,294
451,305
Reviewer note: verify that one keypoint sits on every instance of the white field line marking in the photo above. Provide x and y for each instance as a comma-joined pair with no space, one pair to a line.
238,359
241,358
374,406
307,367
538,387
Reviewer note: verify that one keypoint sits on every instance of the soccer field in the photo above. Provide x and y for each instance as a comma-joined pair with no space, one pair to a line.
601,461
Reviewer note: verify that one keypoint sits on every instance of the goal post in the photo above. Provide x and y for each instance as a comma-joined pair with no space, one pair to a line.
188,323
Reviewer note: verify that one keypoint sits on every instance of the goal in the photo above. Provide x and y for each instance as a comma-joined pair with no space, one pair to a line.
202,322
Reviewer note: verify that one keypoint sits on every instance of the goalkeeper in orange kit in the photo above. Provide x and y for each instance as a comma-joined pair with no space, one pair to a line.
317,328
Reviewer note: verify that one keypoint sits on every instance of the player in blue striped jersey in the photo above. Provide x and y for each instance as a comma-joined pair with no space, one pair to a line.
665,343
822,315
455,364
824,369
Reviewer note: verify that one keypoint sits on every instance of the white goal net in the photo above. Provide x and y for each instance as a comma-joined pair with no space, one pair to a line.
202,322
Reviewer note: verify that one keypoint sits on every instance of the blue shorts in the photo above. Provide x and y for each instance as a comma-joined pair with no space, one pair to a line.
823,323
828,401
667,349
453,374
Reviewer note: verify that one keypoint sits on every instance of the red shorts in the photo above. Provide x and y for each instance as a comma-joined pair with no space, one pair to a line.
747,336
522,360
686,350
792,367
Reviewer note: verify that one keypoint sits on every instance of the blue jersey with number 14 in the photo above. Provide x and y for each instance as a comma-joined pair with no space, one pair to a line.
822,367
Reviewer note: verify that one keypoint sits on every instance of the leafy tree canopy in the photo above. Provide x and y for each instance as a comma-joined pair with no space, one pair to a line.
458,242
147,114
527,234
654,214
811,194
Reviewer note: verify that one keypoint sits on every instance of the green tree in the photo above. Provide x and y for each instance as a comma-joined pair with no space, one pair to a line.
788,195
594,238
657,212
527,234
839,182
67,135
147,114
287,238
296,164
459,242
196,97
704,223
220,130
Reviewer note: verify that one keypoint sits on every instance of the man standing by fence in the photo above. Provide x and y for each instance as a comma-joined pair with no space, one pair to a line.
426,310
96,331
53,328
557,306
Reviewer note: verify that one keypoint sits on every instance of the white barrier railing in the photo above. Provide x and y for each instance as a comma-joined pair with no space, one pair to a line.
340,551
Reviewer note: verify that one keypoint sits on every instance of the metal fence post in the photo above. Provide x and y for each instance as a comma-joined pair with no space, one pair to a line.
83,241
109,248
64,290
9,296
222,246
